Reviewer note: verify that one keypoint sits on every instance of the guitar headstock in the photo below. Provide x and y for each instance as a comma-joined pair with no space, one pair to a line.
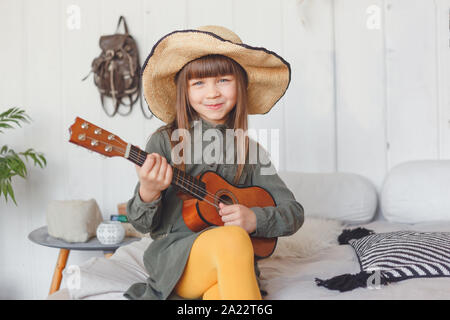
89,136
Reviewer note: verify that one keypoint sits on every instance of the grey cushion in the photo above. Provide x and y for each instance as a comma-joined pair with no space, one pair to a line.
73,220
417,191
346,197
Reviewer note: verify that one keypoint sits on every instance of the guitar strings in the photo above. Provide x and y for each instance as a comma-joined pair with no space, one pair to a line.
135,156
196,187
186,181
187,189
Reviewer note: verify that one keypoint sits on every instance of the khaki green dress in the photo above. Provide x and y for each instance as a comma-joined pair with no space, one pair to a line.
166,256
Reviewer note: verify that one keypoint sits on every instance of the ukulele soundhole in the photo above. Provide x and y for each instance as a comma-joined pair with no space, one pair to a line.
225,196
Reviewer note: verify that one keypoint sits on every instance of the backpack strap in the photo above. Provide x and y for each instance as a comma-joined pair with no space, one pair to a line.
122,18
130,61
127,105
104,108
87,75
142,107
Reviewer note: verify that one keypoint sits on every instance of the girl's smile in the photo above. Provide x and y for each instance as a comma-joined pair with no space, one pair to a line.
214,106
213,97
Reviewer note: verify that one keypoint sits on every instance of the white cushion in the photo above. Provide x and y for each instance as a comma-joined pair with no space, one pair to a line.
417,191
315,234
73,220
346,197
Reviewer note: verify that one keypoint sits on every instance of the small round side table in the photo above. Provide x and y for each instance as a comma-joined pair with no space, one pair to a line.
40,236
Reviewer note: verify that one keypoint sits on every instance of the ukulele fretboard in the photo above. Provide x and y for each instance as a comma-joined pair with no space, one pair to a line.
186,182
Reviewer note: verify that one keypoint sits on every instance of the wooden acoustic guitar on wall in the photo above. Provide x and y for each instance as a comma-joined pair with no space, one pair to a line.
202,194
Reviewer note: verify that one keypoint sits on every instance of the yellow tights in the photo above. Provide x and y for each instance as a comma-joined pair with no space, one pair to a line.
220,267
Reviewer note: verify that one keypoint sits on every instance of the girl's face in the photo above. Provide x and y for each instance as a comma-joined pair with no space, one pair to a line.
213,97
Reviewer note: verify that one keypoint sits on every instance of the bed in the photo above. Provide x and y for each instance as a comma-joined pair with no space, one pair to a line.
415,196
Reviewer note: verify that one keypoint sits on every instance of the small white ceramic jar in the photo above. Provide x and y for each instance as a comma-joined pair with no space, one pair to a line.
110,232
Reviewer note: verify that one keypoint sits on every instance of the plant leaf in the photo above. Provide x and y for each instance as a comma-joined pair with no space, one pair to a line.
11,192
10,162
14,115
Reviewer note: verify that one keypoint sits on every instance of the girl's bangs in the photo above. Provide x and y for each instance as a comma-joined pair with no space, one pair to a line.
210,66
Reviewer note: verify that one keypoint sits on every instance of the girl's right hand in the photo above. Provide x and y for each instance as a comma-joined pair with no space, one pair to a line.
155,175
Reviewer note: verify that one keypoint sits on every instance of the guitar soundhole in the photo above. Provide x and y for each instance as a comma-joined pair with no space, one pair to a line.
225,196
225,199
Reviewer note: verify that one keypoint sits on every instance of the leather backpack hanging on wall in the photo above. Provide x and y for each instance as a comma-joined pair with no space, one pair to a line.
117,71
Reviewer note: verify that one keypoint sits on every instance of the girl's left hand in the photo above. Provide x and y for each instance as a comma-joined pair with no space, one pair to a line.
238,215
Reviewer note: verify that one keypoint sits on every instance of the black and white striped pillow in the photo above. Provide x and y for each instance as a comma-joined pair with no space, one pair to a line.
395,256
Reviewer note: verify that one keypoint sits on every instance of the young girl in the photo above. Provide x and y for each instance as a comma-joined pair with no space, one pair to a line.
206,80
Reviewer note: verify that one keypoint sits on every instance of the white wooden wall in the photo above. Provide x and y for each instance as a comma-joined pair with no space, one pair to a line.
370,89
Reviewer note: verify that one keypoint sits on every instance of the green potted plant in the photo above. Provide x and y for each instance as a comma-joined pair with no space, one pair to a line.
10,162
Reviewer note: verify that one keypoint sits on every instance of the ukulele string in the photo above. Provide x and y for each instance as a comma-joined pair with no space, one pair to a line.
186,181
196,188
135,157
190,184
187,189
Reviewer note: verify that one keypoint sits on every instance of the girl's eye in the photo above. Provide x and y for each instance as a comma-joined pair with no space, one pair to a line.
196,83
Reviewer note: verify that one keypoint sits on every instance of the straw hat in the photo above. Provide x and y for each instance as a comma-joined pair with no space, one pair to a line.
268,73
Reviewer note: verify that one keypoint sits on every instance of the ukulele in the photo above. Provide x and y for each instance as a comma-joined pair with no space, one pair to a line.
201,195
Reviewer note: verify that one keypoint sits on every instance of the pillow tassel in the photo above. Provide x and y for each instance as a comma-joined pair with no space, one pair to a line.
347,282
349,234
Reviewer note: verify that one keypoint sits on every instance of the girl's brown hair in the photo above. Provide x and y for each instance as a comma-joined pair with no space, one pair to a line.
212,66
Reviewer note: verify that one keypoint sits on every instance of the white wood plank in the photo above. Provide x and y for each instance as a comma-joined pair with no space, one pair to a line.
14,277
443,69
360,89
12,91
81,98
43,85
40,85
309,102
263,32
160,19
82,170
411,80
209,12
43,88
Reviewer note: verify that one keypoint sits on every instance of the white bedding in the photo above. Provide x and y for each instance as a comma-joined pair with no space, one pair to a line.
288,274
293,278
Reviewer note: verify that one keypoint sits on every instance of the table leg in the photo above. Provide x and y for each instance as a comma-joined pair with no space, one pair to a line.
60,265
108,254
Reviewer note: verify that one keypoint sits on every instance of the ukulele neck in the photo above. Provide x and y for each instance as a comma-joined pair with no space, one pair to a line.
181,179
